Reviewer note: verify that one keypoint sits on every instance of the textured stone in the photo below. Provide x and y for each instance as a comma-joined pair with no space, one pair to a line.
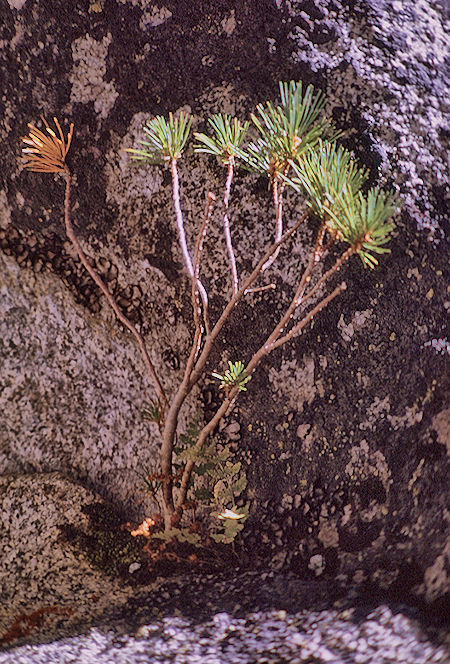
351,415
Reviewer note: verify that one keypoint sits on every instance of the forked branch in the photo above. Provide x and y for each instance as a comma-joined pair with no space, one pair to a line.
106,292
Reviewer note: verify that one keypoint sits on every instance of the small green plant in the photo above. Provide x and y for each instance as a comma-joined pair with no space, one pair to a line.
235,376
295,147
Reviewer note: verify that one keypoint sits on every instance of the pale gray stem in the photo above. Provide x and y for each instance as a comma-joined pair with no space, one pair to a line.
226,228
197,260
181,231
278,204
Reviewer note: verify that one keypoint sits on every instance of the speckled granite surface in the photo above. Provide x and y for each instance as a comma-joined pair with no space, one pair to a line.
347,448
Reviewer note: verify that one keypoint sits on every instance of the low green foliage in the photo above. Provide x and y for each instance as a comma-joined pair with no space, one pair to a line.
235,376
165,139
180,534
152,411
228,134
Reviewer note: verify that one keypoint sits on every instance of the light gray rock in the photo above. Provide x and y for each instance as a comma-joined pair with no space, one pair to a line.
48,585
351,419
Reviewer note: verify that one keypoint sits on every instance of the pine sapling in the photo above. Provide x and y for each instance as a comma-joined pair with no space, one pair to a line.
296,147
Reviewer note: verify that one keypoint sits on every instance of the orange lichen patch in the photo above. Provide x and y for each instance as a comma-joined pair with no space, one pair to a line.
26,623
46,154
144,528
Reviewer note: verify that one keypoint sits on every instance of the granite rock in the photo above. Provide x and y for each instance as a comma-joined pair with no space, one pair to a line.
346,444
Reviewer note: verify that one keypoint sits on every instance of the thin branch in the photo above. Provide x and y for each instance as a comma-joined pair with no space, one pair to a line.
226,228
277,191
260,289
181,232
100,283
335,268
170,427
309,316
247,283
171,423
274,339
197,259
306,278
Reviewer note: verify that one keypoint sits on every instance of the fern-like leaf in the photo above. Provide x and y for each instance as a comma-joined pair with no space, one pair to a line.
152,411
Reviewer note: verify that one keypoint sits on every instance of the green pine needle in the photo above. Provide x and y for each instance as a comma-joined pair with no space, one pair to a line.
152,411
235,376
228,134
286,131
364,221
165,139
323,173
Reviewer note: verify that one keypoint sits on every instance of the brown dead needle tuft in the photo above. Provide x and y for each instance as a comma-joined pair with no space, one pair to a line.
47,154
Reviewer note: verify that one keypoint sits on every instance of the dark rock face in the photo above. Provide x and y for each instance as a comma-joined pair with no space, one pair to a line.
347,437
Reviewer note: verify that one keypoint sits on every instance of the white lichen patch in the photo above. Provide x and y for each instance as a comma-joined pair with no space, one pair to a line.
406,123
229,23
436,578
440,346
379,408
328,533
88,75
5,211
306,434
36,568
358,321
365,463
317,564
154,16
16,4
295,381
412,486
441,424
411,416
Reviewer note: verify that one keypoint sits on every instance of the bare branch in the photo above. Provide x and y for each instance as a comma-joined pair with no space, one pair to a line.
197,259
181,231
309,316
336,267
260,289
101,284
277,192
200,364
226,229
306,277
